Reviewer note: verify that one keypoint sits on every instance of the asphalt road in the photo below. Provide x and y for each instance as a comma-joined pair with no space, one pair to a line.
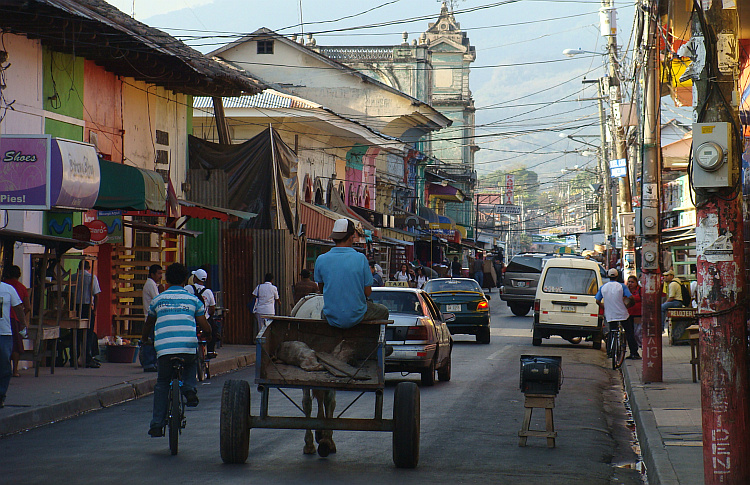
469,431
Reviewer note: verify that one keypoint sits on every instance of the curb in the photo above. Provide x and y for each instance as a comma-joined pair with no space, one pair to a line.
659,467
103,398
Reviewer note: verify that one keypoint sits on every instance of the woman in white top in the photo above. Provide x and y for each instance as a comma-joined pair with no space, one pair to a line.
266,297
403,274
422,278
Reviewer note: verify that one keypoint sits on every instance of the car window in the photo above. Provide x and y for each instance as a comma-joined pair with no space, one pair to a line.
434,311
574,281
451,285
525,264
397,301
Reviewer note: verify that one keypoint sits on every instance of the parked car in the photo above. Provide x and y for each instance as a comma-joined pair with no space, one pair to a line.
565,302
465,299
520,280
419,334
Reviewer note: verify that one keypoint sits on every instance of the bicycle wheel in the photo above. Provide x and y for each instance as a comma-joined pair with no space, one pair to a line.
175,415
620,348
615,349
201,358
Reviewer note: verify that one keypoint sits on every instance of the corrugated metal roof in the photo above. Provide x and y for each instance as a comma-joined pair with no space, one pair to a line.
266,99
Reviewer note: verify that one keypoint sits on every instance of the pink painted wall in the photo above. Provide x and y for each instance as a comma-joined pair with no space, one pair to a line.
103,110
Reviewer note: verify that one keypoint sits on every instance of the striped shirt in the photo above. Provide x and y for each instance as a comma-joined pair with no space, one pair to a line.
175,310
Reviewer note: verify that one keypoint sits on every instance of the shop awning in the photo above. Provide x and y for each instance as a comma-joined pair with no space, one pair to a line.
60,244
126,187
142,226
677,235
447,192
396,242
319,221
203,211
428,214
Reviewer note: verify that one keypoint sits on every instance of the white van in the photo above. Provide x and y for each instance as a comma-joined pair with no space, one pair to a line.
565,302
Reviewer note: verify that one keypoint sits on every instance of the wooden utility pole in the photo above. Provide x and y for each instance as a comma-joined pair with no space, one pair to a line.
721,273
649,222
624,199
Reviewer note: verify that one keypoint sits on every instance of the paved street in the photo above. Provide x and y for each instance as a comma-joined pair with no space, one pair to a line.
469,431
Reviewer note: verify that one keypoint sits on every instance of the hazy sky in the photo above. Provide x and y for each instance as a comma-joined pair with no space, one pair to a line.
520,79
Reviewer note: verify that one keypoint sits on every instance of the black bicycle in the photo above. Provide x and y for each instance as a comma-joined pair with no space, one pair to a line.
203,363
616,346
176,411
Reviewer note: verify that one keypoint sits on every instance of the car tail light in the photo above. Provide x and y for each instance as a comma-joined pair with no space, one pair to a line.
537,305
483,305
417,333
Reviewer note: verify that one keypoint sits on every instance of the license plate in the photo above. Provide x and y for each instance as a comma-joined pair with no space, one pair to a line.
521,284
453,308
569,308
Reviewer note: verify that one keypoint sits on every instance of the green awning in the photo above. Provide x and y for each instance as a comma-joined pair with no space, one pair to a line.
126,187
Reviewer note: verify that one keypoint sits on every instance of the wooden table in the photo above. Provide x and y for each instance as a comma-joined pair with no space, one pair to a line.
693,332
74,324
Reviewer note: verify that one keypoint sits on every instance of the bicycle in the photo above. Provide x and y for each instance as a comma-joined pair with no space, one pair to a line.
616,346
176,410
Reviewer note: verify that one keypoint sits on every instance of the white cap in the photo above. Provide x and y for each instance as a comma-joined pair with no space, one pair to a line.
341,229
200,274
613,273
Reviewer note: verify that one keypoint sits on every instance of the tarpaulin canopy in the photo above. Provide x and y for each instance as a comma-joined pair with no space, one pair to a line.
254,169
126,187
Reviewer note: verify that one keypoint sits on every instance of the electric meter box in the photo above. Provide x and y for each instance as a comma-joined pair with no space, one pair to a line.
648,222
627,223
712,155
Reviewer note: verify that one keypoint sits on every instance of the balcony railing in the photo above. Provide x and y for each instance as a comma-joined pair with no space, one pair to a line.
382,53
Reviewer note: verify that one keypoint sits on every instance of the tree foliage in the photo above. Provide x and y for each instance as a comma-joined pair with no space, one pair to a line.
526,184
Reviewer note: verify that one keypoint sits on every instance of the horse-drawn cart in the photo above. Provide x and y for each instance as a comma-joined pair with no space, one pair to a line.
365,343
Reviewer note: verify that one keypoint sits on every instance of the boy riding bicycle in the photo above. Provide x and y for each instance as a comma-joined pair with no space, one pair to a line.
173,316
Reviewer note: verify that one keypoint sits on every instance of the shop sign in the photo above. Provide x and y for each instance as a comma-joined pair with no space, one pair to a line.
75,174
25,172
105,226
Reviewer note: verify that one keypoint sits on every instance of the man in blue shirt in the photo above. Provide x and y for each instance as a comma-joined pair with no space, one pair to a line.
172,316
345,279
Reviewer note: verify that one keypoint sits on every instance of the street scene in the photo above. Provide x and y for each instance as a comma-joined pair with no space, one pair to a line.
423,240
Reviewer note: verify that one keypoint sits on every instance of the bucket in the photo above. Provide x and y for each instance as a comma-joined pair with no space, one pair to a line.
121,354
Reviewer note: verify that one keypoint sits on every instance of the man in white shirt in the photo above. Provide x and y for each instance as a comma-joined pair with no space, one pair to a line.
8,299
266,297
199,289
615,297
147,356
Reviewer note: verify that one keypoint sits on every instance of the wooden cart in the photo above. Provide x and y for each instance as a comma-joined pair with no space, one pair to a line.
368,339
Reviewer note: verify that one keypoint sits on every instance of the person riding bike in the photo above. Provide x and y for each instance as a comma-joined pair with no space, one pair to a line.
615,298
173,316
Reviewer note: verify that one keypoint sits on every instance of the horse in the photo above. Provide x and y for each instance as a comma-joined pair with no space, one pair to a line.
326,404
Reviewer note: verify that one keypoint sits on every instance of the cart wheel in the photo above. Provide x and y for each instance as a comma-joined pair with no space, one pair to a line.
406,425
234,430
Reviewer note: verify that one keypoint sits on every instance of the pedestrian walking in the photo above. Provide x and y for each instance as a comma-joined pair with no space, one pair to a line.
9,299
11,276
633,325
266,296
455,268
377,280
147,354
478,270
86,297
422,278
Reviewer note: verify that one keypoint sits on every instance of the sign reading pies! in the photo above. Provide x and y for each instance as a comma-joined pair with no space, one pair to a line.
24,172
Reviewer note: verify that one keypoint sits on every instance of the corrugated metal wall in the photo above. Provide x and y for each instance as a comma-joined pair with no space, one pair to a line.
210,191
237,250
248,255
204,251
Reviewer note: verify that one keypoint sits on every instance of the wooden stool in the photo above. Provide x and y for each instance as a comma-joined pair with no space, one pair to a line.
695,358
540,401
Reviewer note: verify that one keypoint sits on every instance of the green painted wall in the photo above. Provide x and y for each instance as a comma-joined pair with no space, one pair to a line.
63,83
60,129
204,249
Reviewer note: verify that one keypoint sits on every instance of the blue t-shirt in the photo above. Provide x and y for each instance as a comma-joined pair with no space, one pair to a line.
344,273
175,310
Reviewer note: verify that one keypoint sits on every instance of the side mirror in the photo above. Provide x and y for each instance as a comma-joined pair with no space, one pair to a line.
449,317
487,296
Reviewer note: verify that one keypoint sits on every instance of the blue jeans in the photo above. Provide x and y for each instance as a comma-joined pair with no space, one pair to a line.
163,379
6,347
479,277
666,306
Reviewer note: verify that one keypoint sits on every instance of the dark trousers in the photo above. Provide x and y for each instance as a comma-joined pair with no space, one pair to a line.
92,345
163,378
629,328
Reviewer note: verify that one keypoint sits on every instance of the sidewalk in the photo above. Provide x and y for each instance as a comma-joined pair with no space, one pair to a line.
668,418
35,401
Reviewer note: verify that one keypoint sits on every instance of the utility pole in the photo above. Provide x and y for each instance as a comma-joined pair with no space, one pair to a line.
624,199
606,207
721,271
649,223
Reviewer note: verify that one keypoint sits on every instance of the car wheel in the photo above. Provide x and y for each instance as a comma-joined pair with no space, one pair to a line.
520,309
536,340
444,373
428,375
483,335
